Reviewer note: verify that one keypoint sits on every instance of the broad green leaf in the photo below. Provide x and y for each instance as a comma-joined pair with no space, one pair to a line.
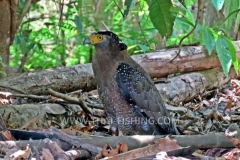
127,4
190,16
218,4
223,54
161,16
230,14
184,20
23,45
208,39
230,6
232,51
78,24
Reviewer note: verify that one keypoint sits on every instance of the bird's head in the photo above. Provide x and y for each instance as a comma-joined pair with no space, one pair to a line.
104,39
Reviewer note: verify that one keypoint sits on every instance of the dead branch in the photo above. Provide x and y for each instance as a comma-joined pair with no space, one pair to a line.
212,140
75,141
163,144
75,100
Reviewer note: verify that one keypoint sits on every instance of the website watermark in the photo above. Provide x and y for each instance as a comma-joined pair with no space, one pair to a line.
119,120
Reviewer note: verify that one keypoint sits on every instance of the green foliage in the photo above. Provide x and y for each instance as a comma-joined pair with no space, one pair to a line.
127,4
51,37
208,39
232,51
230,15
225,49
230,6
161,16
223,54
78,24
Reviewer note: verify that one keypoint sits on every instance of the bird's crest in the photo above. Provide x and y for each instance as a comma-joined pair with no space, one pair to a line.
115,38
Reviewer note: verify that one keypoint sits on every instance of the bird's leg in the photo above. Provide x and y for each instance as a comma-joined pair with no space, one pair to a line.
114,130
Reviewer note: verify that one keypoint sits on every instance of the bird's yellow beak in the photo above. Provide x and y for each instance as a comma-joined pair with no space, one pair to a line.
93,39
87,41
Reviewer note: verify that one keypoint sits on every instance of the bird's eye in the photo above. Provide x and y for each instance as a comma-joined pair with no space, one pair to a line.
100,38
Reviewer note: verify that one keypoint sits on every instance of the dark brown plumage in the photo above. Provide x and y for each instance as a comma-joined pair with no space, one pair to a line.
131,100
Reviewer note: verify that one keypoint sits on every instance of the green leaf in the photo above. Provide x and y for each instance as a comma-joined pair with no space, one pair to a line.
127,4
23,45
78,24
189,15
232,51
223,54
208,39
161,16
183,20
31,45
230,6
44,30
230,14
143,47
218,4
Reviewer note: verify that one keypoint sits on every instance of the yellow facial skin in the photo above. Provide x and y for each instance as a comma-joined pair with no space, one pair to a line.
96,38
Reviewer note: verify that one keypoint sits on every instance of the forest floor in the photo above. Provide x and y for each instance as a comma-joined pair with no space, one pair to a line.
210,113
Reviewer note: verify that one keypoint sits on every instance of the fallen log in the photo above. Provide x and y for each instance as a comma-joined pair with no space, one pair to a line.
165,144
62,79
137,141
185,87
57,153
193,58
66,79
218,140
75,141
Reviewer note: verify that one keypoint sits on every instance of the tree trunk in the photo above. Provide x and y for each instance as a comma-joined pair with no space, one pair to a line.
5,30
10,21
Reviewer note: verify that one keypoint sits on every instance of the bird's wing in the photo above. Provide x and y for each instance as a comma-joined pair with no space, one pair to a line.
138,90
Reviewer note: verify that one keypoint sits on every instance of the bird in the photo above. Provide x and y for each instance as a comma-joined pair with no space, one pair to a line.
131,101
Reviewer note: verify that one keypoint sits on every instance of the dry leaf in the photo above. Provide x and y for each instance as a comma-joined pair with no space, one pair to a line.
234,154
7,135
108,151
21,154
31,121
228,105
